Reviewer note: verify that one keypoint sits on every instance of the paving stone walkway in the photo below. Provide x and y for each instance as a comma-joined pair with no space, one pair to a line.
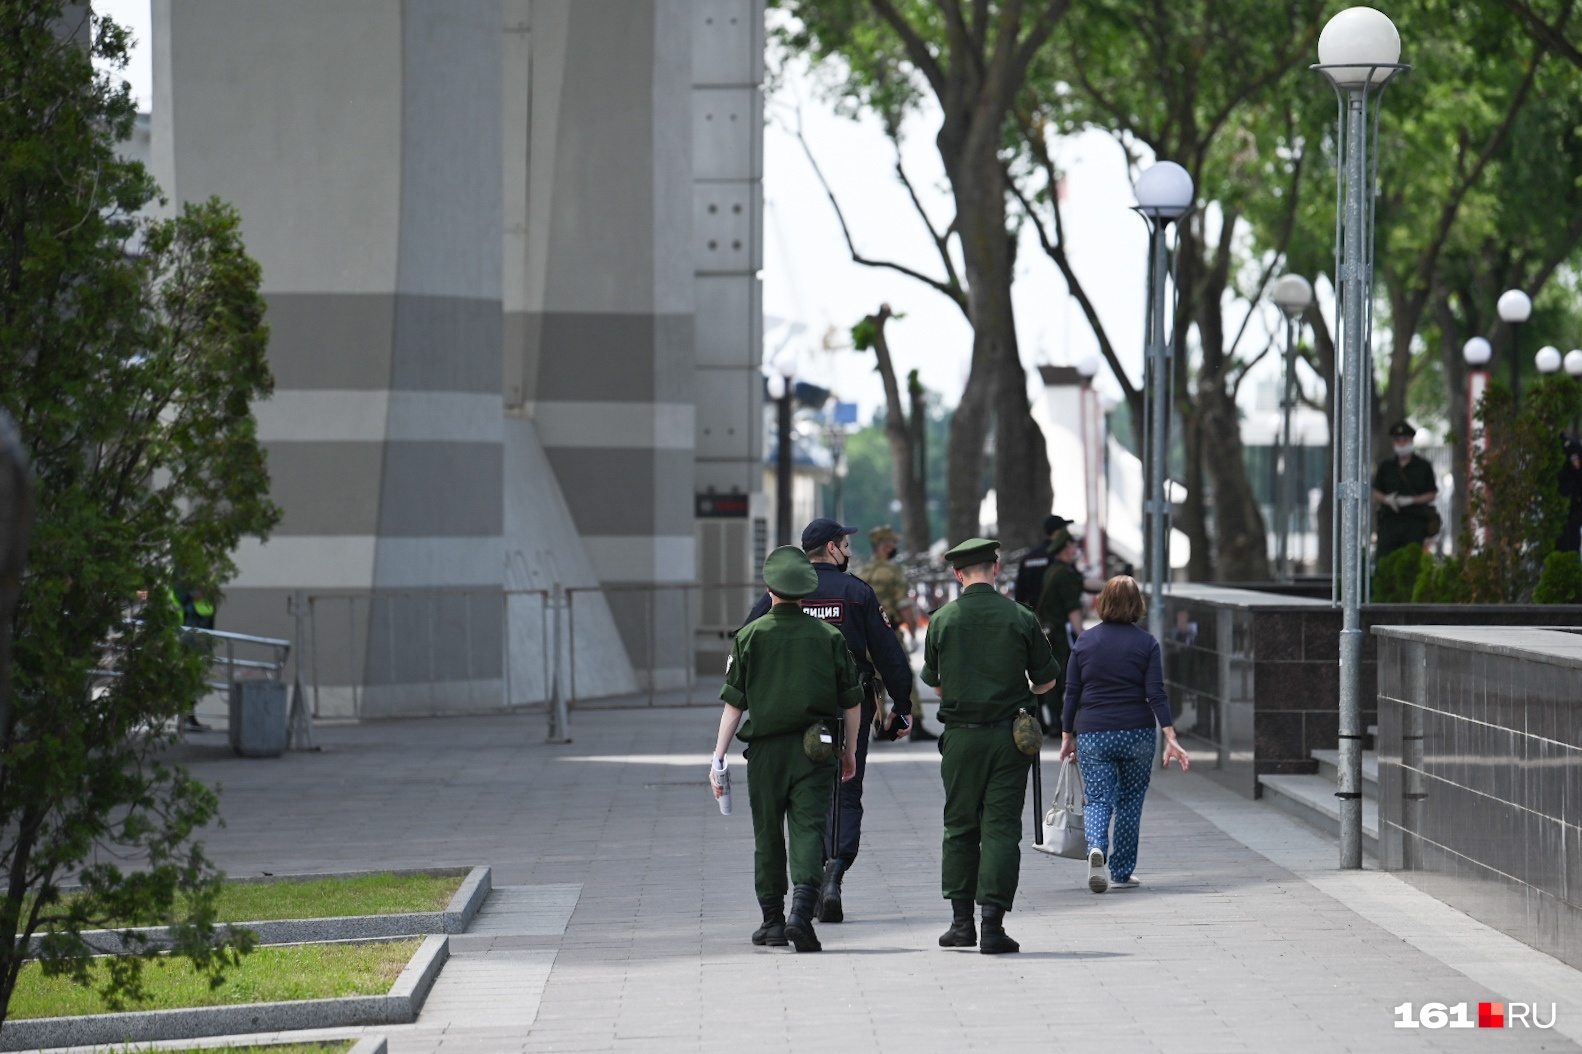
624,903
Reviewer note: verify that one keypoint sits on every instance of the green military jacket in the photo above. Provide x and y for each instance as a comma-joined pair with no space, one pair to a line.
1061,596
889,585
1416,477
981,651
787,670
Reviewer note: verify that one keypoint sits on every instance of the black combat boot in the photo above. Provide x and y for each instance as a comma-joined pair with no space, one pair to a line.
829,906
799,924
995,942
962,933
773,931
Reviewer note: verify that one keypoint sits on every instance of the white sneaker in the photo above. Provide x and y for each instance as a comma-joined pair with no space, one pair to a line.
1098,873
1127,883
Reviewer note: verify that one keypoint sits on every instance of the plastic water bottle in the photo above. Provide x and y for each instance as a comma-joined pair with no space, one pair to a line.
722,777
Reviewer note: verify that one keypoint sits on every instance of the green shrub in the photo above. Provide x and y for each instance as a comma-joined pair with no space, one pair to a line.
1393,582
1561,580
1440,582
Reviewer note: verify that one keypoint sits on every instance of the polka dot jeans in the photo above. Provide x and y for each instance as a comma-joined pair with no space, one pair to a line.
1116,767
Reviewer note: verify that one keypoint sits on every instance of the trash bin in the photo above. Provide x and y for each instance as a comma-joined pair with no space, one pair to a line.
258,719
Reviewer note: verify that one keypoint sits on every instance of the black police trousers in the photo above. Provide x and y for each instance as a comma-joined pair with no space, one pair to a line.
850,796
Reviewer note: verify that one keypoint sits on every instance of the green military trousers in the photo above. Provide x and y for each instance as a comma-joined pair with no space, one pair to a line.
786,790
985,780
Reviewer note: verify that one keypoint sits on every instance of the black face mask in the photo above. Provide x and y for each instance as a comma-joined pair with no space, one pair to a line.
841,561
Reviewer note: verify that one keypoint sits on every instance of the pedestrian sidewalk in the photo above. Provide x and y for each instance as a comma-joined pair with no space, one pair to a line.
627,900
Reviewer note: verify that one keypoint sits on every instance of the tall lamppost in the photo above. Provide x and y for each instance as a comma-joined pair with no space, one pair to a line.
1573,365
1293,295
782,389
1164,195
1515,307
1359,52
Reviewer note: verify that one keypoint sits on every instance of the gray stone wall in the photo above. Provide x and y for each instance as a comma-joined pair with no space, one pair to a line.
1480,775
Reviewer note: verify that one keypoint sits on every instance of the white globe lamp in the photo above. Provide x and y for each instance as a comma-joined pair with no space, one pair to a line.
1515,306
1573,362
1548,359
1164,191
1477,352
1355,42
1292,294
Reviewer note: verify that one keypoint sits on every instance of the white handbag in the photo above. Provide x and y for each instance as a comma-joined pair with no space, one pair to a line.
1063,831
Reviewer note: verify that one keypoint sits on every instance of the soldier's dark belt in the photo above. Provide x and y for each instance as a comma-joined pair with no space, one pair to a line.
984,724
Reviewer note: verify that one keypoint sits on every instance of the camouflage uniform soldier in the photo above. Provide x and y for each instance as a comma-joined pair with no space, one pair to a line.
889,584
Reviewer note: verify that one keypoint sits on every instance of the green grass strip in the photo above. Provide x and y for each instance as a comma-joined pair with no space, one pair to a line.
267,975
329,1047
382,894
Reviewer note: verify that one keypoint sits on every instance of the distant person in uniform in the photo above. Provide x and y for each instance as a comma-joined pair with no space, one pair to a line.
1059,611
791,675
197,612
1571,490
1404,489
889,585
982,651
1035,565
849,604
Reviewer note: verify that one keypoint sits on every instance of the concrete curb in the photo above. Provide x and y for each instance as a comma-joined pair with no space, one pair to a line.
399,1006
464,904
366,1045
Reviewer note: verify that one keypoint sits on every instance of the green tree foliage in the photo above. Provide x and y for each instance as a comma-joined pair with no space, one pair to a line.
869,490
1516,510
129,353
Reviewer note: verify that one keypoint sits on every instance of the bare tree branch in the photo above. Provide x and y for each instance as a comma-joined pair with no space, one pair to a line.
916,47
949,287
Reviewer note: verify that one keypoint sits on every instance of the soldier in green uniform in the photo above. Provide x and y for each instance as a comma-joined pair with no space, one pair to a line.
1404,489
889,585
793,677
1060,612
981,652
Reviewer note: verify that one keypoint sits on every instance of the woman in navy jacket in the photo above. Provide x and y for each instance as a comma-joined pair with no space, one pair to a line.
1115,697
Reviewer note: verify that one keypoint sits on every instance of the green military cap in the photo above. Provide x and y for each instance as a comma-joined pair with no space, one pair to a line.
789,573
1060,541
881,534
974,551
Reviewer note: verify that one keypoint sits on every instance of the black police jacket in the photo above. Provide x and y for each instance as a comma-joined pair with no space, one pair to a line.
1030,576
849,604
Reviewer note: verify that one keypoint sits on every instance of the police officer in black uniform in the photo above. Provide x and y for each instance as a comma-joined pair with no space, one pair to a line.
849,604
1035,565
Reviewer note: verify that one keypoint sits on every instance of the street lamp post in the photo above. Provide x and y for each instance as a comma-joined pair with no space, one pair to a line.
1293,295
782,388
1164,195
1359,52
1573,367
1515,307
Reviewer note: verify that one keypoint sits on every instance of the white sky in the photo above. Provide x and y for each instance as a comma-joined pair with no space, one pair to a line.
808,273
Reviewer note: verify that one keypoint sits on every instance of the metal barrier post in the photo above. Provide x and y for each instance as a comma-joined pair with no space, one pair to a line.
653,660
299,725
559,718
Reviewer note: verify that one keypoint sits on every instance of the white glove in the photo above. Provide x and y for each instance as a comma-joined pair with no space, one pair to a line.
1404,501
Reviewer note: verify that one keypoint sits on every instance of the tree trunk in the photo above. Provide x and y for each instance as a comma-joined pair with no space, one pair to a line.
1323,526
918,529
1021,467
898,432
1241,543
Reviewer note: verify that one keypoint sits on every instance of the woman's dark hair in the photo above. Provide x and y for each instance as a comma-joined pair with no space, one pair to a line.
1121,601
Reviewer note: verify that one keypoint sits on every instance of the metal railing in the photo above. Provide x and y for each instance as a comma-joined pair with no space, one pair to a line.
689,593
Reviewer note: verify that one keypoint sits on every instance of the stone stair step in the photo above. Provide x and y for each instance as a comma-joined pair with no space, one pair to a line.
1312,800
1329,769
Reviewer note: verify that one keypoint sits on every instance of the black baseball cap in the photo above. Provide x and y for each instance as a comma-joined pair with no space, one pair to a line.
822,531
1054,523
